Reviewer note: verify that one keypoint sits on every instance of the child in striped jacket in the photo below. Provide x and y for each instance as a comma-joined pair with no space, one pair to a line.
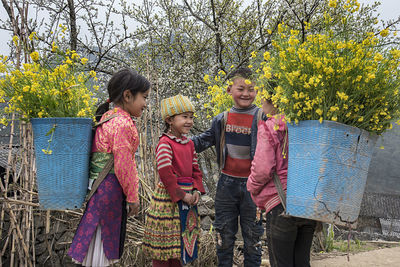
172,222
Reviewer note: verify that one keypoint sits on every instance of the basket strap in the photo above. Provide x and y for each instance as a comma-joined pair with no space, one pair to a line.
259,115
222,140
100,178
279,188
107,168
106,119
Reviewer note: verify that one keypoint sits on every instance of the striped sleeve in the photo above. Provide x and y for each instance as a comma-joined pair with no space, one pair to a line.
272,203
164,155
195,159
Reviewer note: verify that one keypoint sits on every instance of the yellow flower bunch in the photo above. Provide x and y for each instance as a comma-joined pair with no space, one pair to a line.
219,99
333,77
42,90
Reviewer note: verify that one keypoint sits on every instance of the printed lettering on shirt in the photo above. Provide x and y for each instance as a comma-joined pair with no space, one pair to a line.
238,141
237,129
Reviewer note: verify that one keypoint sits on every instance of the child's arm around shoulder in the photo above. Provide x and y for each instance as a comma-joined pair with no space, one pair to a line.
264,161
207,138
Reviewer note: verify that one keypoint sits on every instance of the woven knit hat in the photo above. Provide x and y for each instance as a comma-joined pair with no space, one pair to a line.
175,105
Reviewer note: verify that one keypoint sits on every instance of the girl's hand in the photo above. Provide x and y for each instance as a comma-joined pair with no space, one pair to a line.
133,208
188,198
196,197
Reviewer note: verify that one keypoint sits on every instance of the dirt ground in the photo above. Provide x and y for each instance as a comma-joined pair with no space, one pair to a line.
381,257
364,254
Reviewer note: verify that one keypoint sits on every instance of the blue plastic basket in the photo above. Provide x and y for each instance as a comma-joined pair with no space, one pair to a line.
62,176
327,172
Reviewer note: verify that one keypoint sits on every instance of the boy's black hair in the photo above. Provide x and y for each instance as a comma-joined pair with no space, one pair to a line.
242,72
125,79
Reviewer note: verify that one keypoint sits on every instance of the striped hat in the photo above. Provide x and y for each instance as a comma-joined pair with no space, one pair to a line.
175,105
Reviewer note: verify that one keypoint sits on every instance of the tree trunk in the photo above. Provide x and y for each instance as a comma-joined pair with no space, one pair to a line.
72,22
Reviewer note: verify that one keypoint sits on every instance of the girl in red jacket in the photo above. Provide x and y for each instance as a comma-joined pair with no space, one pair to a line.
172,223
289,238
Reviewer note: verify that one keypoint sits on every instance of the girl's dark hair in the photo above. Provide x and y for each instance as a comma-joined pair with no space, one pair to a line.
125,79
167,126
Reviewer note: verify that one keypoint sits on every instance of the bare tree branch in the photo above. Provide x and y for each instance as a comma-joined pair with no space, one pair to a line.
197,16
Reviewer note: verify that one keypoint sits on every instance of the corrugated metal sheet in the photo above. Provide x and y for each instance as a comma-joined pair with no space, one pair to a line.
380,206
4,157
390,227
382,192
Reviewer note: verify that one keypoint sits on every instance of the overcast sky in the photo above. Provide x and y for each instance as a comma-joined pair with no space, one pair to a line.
389,9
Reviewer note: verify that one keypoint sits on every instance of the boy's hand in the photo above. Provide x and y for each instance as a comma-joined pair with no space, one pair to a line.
133,208
258,214
196,197
188,198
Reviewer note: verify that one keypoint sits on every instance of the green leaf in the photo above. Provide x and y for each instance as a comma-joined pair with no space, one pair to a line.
51,130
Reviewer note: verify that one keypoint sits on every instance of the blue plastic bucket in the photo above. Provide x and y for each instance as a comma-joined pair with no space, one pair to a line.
62,164
327,172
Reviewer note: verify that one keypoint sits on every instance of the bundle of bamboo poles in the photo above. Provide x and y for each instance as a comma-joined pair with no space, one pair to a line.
18,200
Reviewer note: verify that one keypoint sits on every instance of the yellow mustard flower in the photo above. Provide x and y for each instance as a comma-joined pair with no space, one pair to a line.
32,36
4,121
34,56
342,95
15,40
84,60
54,47
384,32
266,55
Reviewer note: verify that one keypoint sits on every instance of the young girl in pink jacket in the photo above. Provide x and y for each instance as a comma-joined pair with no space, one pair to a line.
289,239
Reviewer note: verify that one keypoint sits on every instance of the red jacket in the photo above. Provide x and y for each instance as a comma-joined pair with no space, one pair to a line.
271,156
176,157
